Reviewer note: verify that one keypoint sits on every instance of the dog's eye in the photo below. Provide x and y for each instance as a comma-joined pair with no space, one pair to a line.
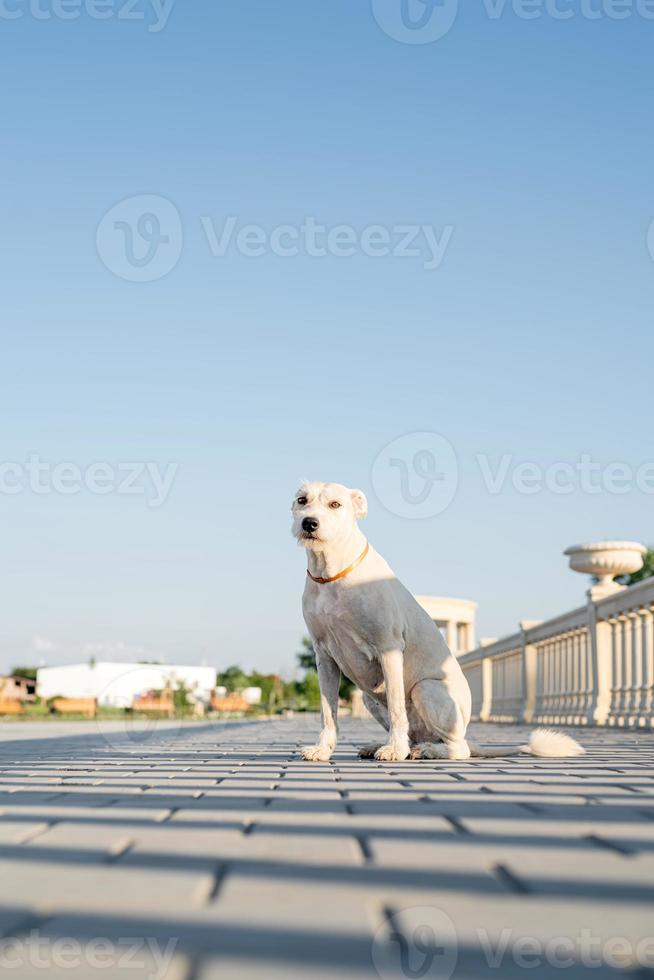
301,501
334,505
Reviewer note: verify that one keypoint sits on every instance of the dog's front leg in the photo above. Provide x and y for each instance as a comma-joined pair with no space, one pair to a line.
329,678
397,748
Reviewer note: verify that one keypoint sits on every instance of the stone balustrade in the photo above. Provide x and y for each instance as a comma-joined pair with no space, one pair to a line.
591,666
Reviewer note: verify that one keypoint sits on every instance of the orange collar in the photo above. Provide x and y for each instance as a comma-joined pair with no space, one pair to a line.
346,571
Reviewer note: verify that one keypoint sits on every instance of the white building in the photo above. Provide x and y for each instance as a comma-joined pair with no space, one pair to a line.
252,695
117,684
455,619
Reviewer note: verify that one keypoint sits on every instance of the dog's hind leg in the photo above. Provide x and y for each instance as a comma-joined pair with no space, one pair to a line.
443,719
380,713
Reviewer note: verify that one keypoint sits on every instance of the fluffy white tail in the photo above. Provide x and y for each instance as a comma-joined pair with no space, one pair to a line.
549,744
544,743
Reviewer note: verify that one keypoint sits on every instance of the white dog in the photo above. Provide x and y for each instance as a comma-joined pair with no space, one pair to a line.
365,624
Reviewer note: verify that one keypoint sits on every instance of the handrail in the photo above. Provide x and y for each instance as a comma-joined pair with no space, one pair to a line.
593,665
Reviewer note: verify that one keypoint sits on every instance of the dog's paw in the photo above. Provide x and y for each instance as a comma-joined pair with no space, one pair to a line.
368,751
316,753
392,753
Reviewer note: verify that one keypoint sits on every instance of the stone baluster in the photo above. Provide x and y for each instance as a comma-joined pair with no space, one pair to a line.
616,668
486,689
647,648
625,635
575,688
635,646
601,646
532,673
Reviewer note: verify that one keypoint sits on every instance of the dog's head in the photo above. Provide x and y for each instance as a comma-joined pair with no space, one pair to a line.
324,513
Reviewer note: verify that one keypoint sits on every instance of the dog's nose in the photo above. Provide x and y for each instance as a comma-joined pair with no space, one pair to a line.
309,524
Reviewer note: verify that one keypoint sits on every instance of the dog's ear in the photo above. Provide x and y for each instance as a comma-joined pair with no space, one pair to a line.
359,503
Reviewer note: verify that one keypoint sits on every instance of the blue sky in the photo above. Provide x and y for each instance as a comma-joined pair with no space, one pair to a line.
530,139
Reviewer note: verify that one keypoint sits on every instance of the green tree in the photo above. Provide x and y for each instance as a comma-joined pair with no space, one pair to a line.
269,684
645,572
307,661
290,693
307,656
181,698
234,679
28,672
311,691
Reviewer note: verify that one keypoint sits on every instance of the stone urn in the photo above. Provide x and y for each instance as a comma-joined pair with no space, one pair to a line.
605,560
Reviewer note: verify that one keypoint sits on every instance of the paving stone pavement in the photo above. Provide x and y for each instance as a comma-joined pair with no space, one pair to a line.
204,851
